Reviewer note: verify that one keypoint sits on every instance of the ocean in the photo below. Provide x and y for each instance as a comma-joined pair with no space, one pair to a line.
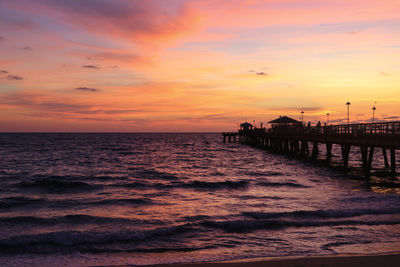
120,199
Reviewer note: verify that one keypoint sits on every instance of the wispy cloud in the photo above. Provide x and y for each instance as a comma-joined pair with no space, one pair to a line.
392,117
339,120
116,57
146,21
90,67
12,20
88,89
40,102
384,73
14,77
297,108
41,105
262,73
355,32
10,77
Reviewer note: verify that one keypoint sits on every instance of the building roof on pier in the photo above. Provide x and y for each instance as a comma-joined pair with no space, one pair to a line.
284,119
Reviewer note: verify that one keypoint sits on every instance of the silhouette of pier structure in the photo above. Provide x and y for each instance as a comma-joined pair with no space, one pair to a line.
288,136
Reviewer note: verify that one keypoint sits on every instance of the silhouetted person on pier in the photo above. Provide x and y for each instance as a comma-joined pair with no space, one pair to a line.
319,127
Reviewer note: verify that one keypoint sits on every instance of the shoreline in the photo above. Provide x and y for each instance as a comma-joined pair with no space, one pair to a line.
343,260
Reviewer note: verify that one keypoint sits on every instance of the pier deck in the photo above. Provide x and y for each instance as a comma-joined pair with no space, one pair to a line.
297,139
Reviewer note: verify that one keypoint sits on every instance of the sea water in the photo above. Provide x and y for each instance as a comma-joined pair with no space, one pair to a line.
106,199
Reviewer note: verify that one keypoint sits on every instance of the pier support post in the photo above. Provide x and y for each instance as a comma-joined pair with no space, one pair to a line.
296,147
315,151
291,146
272,144
285,146
304,149
345,155
368,167
385,158
328,152
364,155
393,160
224,137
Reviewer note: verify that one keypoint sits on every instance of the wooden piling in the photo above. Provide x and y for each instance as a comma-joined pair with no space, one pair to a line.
302,148
285,146
328,152
393,160
296,147
364,155
304,152
385,158
369,162
345,155
315,151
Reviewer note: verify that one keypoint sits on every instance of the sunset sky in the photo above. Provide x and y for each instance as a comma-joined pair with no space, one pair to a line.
198,65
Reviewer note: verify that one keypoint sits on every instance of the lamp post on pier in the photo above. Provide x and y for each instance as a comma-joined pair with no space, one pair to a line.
373,113
327,118
348,112
302,117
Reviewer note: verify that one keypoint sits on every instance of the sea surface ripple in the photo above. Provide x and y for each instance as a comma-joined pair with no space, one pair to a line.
103,199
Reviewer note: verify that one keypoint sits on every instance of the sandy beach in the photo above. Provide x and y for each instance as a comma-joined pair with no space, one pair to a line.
390,260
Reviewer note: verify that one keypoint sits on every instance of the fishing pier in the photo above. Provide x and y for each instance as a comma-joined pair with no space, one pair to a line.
288,136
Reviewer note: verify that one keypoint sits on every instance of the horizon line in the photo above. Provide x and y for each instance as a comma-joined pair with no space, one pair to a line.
100,132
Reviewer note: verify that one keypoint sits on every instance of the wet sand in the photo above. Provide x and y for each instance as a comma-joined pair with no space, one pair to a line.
391,260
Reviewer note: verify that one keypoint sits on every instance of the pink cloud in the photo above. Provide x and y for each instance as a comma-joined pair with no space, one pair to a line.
264,13
142,21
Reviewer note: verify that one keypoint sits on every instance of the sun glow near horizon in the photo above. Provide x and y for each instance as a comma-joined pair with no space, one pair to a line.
200,65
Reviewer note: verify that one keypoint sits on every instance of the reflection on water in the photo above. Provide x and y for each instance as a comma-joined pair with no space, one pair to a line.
87,199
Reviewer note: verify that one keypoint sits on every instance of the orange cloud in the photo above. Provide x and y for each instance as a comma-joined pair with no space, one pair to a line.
185,65
142,21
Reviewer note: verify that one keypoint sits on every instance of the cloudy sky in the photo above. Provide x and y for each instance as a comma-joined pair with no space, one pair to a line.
198,65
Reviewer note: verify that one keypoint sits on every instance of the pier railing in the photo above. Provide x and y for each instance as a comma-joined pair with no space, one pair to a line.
383,128
361,129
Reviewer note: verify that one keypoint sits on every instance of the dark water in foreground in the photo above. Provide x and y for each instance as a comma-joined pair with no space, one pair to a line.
91,199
